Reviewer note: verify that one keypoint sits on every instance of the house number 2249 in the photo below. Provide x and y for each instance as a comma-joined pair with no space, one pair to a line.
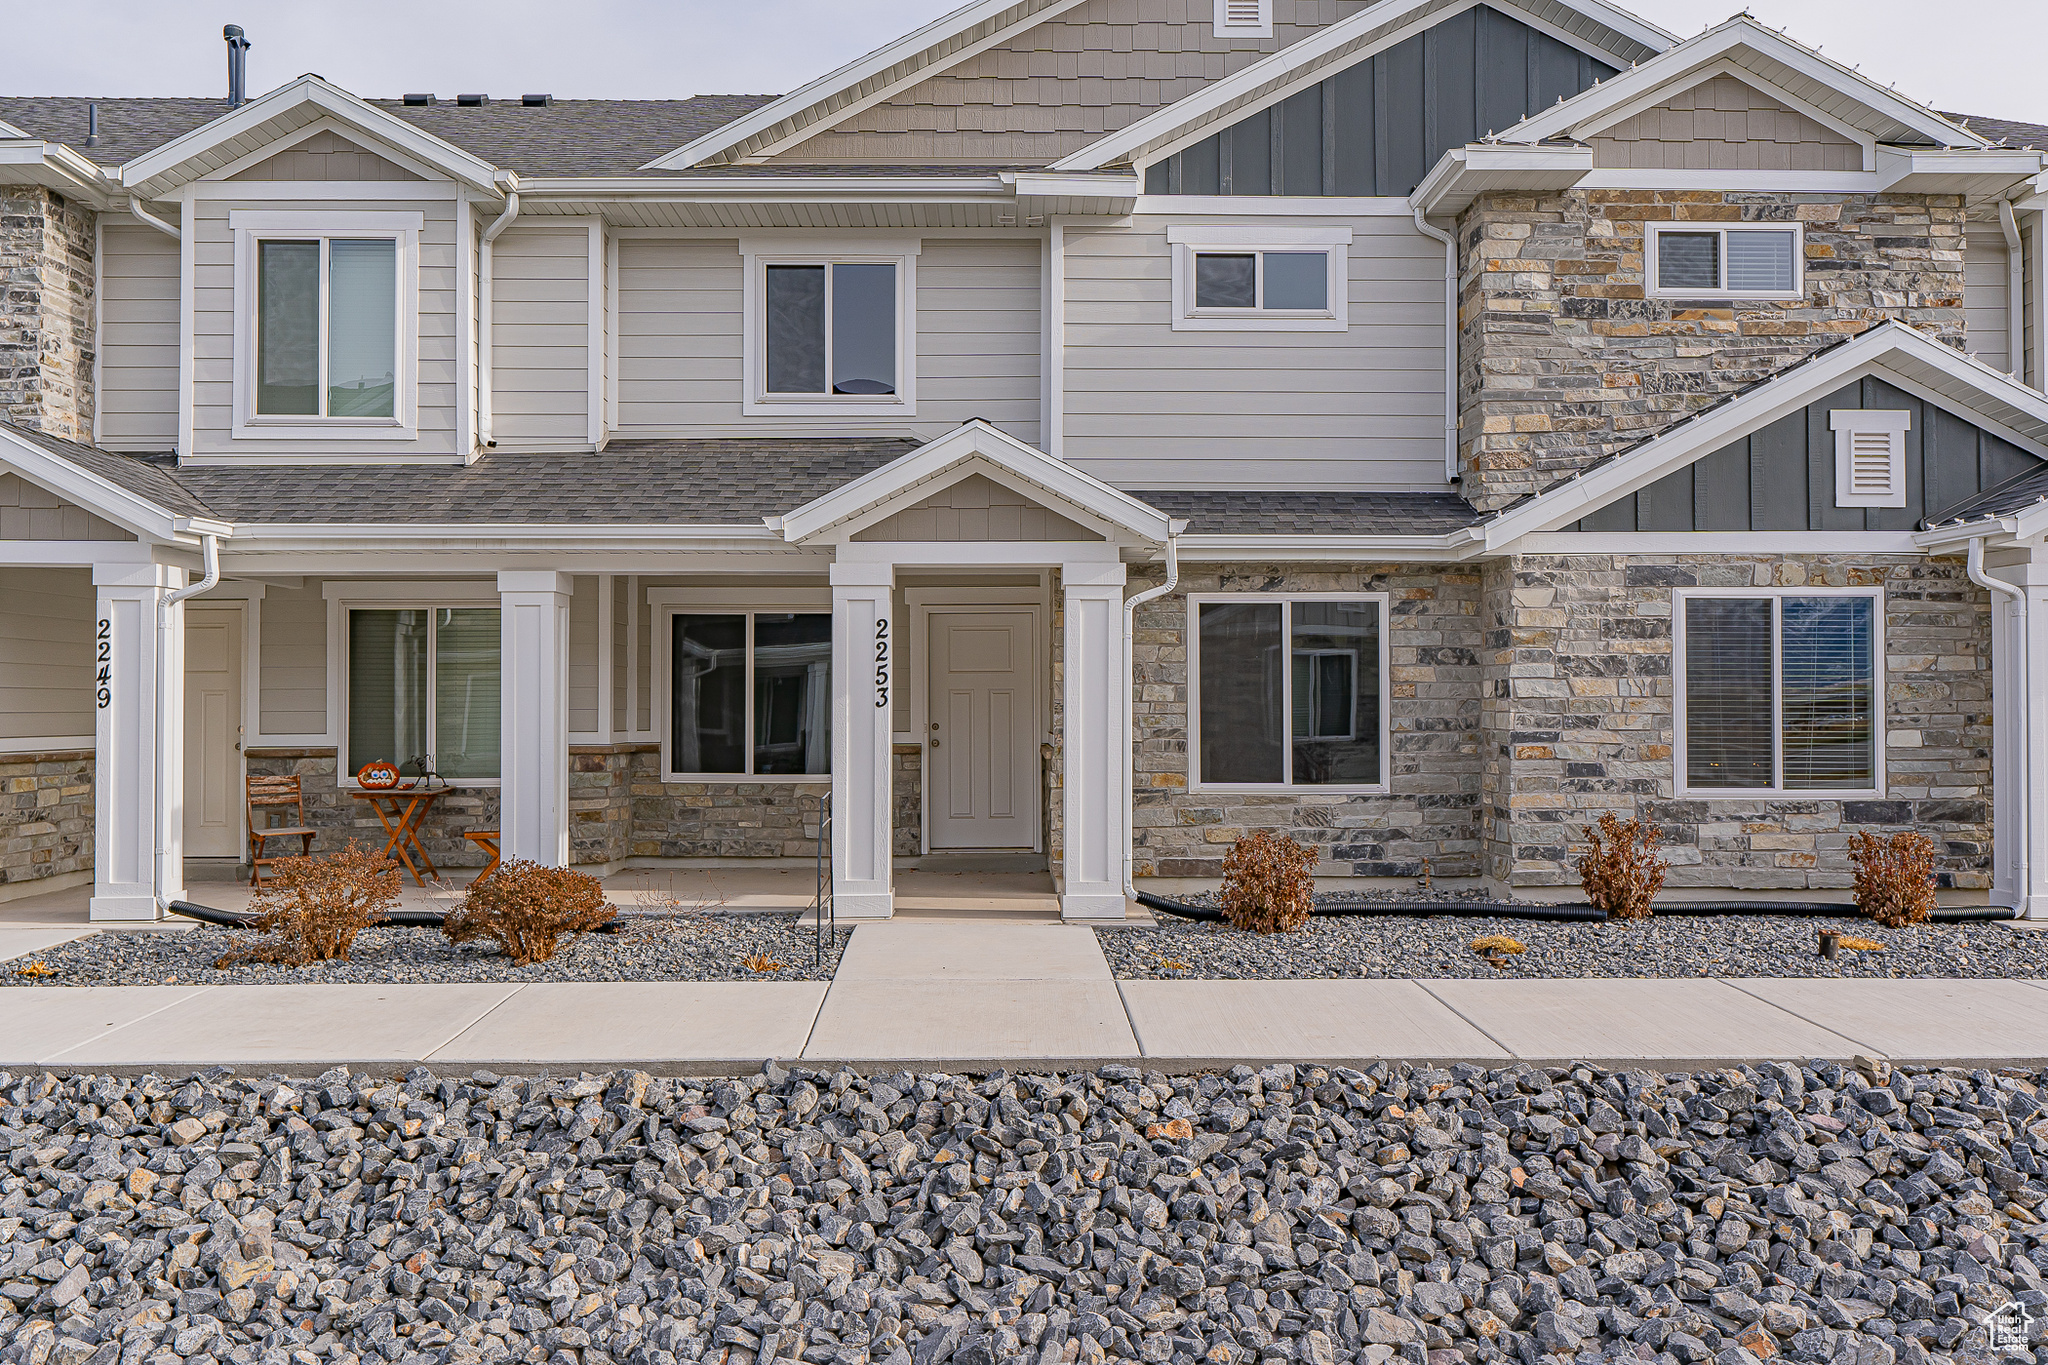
881,662
103,665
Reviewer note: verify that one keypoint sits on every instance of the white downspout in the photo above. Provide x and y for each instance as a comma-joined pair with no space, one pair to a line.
165,745
2015,293
1450,341
484,310
2016,601
143,215
1131,605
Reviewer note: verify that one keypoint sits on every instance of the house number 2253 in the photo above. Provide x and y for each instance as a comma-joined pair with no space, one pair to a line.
881,662
103,665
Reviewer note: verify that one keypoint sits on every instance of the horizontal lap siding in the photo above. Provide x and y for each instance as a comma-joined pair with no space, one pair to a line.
213,321
1147,406
540,335
293,662
978,335
1986,298
679,335
46,657
138,352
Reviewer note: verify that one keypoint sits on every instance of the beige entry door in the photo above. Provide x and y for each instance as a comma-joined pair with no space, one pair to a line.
213,733
981,748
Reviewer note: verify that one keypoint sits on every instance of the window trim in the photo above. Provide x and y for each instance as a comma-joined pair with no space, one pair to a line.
1196,601
669,604
405,597
1189,240
1656,231
1778,790
757,253
252,227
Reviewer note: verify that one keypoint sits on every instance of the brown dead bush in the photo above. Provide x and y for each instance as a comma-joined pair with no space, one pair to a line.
1269,883
527,909
1622,872
313,908
1894,877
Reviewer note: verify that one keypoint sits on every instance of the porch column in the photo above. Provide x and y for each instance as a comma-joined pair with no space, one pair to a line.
139,742
533,796
2019,723
863,694
1096,803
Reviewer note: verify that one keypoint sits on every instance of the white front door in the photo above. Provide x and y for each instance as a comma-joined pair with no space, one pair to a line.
213,733
980,748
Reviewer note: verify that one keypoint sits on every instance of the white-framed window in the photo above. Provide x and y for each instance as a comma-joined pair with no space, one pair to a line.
1779,691
831,328
1288,691
1244,18
421,680
1725,260
1870,456
326,324
746,688
1259,278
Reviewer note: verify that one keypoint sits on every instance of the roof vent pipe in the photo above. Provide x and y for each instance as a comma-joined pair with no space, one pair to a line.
92,125
238,65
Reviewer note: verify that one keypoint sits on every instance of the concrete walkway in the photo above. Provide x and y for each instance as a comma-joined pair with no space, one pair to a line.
967,994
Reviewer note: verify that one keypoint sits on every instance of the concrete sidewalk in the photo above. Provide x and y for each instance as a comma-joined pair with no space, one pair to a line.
973,995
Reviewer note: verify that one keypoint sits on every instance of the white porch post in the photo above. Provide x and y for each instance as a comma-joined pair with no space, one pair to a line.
1097,808
2019,744
863,696
139,738
533,797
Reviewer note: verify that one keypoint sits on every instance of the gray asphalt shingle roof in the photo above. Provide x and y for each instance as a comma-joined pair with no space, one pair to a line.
1307,513
143,477
2015,494
2010,131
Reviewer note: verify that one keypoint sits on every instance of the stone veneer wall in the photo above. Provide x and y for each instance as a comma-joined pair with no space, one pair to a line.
46,816
1565,358
906,786
1431,813
601,802
1578,720
341,817
46,312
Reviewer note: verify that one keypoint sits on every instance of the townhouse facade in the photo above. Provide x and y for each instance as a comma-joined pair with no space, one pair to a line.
1079,431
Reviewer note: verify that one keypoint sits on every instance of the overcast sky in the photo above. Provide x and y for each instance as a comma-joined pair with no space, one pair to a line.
1983,57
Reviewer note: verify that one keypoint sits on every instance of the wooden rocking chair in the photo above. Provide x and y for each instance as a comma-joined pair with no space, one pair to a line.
272,798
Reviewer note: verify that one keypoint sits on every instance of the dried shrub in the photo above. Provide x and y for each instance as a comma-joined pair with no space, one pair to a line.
1860,945
1894,877
1269,884
313,908
527,909
1498,943
1622,872
761,962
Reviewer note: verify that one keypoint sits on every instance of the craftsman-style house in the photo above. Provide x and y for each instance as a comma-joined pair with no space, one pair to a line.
1081,430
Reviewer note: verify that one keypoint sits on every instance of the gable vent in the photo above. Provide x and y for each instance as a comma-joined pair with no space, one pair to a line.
1244,18
1870,456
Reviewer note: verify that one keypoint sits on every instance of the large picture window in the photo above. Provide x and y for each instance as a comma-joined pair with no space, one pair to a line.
424,681
1779,692
1290,691
750,694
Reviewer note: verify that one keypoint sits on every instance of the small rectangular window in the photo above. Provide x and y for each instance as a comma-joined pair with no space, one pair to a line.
1290,692
831,329
1732,261
1781,692
750,694
327,327
424,682
1264,281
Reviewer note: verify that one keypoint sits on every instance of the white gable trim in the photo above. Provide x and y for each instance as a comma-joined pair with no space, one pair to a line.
312,130
1019,467
1292,68
1885,350
1658,95
867,80
101,497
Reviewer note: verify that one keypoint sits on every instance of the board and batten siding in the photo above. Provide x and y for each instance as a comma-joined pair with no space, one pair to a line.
46,682
680,340
1987,293
292,662
583,662
1149,407
213,339
137,393
540,336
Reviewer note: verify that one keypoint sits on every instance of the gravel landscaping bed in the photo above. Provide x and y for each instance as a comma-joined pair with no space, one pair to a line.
1688,945
1853,1215
681,948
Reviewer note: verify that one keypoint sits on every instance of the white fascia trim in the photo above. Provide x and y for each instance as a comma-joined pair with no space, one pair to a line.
1394,20
866,68
771,188
55,165
1212,206
1297,548
356,113
250,534
1657,94
99,496
1075,184
1679,62
1554,167
1896,164
329,124
1715,542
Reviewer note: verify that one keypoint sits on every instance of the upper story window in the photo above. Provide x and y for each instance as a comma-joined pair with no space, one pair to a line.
326,324
1244,18
1725,261
1236,277
831,330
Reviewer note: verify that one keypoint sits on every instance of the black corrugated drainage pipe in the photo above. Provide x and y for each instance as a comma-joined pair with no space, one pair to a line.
1579,912
397,919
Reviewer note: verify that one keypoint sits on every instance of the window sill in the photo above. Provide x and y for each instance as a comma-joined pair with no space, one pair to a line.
1267,789
756,779
1259,322
1710,296
325,429
830,406
1778,794
453,784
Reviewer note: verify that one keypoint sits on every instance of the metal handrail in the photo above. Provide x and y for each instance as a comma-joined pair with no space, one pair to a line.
822,904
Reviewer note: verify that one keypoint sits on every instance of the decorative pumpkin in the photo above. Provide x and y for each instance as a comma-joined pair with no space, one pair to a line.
377,776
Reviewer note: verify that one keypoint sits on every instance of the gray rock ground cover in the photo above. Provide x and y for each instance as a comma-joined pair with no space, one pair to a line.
653,948
1689,945
1851,1215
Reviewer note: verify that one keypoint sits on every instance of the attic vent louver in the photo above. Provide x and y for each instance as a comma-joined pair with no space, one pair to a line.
472,101
536,101
419,99
1870,456
1244,18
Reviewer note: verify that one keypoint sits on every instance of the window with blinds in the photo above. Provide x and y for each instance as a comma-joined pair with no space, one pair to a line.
1780,692
423,683
1870,456
1244,18
1725,261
